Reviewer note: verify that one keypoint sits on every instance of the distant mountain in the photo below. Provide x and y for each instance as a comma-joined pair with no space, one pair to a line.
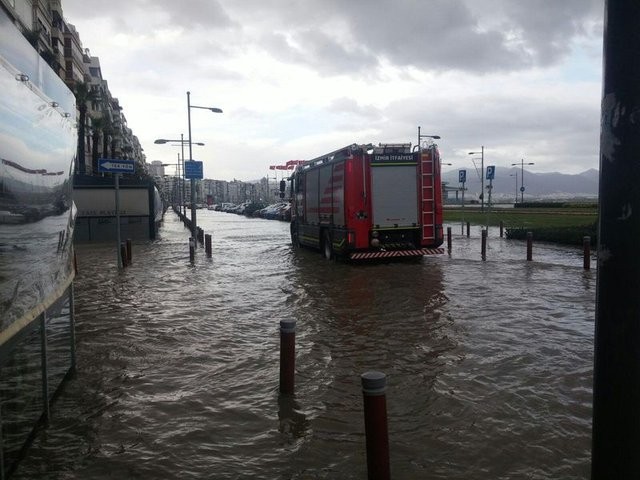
537,185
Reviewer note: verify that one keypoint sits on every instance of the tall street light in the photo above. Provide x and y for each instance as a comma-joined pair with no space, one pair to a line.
481,152
421,136
193,181
175,187
522,164
515,175
181,142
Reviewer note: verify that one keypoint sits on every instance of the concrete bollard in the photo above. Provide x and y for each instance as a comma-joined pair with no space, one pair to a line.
449,240
529,246
484,244
192,249
287,356
501,229
207,245
374,386
586,247
129,252
468,229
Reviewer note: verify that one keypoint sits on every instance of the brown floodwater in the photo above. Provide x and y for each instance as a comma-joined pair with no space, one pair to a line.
489,363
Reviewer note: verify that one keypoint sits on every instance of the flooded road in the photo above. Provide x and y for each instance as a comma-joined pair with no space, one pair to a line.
489,363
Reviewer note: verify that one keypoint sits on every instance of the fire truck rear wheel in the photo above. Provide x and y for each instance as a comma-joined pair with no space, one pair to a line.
327,246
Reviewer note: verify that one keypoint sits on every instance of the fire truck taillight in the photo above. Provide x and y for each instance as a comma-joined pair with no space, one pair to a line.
375,241
351,238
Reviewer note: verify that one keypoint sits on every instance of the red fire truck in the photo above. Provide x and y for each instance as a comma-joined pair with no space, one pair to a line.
365,201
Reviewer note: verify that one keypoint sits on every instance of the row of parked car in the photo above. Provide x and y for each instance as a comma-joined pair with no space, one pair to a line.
276,211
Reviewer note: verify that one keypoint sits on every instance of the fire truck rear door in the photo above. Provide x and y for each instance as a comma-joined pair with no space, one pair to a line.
394,197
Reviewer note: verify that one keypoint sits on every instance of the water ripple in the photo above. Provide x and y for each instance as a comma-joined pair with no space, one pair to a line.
489,363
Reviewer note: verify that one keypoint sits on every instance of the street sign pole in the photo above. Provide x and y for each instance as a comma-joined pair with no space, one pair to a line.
490,188
118,249
194,231
462,178
117,166
193,171
462,221
491,173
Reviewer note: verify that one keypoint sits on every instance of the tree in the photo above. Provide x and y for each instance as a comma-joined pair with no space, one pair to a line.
100,126
84,95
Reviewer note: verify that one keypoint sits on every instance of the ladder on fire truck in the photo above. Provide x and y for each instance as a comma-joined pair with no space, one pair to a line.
428,214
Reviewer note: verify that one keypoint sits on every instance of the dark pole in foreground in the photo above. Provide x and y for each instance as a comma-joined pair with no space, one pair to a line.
449,240
374,386
616,383
287,356
529,246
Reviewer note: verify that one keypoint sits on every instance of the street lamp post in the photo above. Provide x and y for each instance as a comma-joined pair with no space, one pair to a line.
181,142
515,175
421,136
481,152
193,181
522,164
174,195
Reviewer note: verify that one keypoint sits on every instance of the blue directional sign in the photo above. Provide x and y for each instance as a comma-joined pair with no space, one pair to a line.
116,165
491,172
462,176
193,170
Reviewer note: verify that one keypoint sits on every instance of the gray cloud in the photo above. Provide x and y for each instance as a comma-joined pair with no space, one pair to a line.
435,34
336,36
500,52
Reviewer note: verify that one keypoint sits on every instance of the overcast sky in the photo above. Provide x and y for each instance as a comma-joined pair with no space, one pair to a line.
299,78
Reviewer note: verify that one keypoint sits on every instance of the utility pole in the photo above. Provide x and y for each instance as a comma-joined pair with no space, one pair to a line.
616,382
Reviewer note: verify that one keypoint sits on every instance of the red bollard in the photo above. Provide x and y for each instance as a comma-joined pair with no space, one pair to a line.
529,246
192,249
449,239
374,385
287,356
586,246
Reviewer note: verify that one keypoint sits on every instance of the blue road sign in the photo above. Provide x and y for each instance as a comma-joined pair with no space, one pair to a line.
462,176
193,170
116,165
491,172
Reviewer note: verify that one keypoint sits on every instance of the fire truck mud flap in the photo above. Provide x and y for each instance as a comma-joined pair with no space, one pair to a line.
396,253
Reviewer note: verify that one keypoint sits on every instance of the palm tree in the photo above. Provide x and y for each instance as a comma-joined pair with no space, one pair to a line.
84,94
98,126
107,132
